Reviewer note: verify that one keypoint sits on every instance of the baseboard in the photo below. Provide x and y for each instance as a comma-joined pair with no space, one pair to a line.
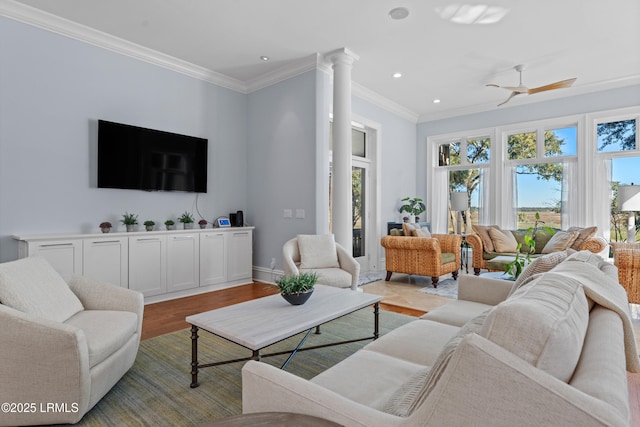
266,275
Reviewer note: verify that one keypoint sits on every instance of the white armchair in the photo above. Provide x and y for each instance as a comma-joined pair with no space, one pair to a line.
64,342
322,255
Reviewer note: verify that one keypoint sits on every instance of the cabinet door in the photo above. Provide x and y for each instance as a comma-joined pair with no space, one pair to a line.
107,259
64,255
213,258
147,265
240,255
182,262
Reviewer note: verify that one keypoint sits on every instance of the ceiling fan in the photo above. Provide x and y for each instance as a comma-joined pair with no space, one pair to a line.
521,89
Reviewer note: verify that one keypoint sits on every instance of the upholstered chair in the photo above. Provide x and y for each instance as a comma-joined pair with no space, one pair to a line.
322,255
432,256
62,341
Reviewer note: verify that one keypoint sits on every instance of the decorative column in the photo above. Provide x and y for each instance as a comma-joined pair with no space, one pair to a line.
342,60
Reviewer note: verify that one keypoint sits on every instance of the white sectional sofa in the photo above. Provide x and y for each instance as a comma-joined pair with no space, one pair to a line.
554,351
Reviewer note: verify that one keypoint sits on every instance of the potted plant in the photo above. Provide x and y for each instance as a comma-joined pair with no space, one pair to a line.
105,226
297,288
149,225
413,206
169,224
202,223
516,266
186,219
129,220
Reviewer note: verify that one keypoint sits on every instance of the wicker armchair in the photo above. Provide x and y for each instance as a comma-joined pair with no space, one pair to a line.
423,256
626,256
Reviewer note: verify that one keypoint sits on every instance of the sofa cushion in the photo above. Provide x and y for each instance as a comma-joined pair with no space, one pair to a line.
483,232
317,251
32,286
503,240
539,265
541,237
584,234
560,241
106,331
414,390
544,323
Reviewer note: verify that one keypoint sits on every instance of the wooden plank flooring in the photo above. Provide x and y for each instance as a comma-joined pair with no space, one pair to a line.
168,316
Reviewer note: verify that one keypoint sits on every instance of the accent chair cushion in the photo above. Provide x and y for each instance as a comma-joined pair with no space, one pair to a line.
421,232
544,323
331,276
584,234
317,251
503,240
483,232
447,257
409,228
560,241
32,286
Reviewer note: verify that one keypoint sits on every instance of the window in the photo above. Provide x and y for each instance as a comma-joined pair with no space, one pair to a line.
521,146
539,189
616,136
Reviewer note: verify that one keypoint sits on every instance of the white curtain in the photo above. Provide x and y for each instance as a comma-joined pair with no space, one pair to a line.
484,198
509,212
601,212
569,213
440,201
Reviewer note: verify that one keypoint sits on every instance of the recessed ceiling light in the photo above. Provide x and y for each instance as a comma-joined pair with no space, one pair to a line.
472,13
399,13
436,101
264,58
397,75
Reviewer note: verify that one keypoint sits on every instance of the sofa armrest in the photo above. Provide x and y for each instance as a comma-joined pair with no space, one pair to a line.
268,389
595,244
289,254
42,361
349,264
96,295
484,290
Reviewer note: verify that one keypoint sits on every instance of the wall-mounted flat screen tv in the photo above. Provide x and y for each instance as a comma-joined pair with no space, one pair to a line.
136,158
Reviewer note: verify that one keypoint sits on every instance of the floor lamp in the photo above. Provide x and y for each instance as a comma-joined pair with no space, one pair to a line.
459,203
629,201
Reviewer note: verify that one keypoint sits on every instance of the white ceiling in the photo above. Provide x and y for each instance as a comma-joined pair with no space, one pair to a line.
594,40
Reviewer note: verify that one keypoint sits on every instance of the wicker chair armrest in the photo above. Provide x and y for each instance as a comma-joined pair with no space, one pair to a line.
410,243
595,244
449,242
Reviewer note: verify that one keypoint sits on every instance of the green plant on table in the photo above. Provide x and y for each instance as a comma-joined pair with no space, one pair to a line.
186,218
149,223
414,206
297,283
516,266
169,222
129,219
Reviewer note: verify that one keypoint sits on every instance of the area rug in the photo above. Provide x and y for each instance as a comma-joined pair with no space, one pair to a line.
156,392
447,288
370,276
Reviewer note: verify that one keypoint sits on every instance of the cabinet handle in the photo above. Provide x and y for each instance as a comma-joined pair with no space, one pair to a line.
102,242
55,244
151,239
241,234
182,237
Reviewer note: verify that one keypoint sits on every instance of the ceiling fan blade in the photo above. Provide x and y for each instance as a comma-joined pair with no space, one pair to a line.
519,89
552,86
509,98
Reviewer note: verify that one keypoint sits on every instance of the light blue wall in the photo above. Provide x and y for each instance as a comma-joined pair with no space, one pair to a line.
52,92
580,104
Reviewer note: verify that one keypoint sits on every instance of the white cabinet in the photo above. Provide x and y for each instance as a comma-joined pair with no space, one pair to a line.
240,255
107,259
183,262
64,255
213,258
147,264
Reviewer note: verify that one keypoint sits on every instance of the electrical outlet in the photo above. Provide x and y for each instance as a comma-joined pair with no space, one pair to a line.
273,263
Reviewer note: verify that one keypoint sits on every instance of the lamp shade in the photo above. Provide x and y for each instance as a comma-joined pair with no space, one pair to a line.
459,201
628,198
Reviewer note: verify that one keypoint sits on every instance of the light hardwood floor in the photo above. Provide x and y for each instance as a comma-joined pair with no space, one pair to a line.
168,316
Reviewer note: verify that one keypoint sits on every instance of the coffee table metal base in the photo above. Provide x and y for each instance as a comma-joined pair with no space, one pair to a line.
195,365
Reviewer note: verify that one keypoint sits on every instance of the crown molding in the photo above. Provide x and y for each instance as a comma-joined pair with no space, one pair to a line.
287,71
375,98
520,101
44,20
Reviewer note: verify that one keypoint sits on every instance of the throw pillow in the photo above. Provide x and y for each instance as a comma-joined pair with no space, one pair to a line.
421,232
32,286
483,232
560,241
544,323
408,228
317,251
396,232
503,240
539,265
584,234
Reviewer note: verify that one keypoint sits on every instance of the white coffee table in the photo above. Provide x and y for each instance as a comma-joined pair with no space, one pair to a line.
259,323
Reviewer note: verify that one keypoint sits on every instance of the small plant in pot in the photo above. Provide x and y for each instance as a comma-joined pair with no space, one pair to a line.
105,227
129,220
149,225
515,267
187,220
169,224
202,223
413,206
297,288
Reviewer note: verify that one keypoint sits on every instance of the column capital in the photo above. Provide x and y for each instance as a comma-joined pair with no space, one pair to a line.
342,56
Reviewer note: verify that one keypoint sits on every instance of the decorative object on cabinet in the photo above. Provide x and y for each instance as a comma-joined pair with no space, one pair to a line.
105,227
202,223
187,220
297,288
169,224
413,206
149,225
129,220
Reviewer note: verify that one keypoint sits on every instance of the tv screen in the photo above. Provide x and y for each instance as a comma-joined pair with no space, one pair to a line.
136,158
